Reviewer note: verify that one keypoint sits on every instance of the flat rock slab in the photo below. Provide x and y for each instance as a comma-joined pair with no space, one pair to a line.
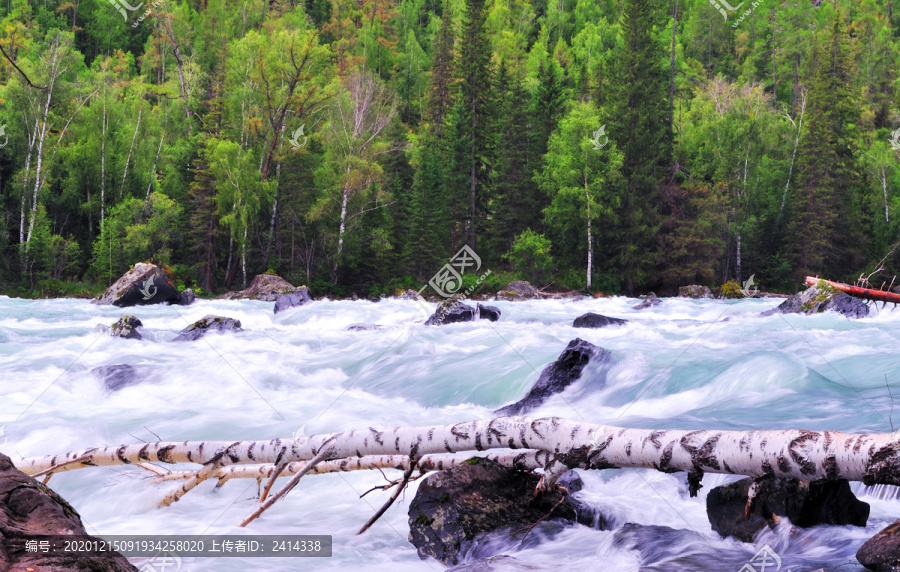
558,375
805,503
144,284
207,324
451,508
518,290
592,320
882,552
695,291
265,287
29,509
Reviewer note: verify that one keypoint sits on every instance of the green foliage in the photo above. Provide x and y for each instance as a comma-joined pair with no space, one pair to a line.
730,290
530,257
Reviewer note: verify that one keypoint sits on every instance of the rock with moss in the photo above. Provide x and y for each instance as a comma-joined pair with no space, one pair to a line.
452,310
265,287
207,324
821,298
144,284
647,301
28,510
694,291
187,297
731,290
882,552
294,299
454,509
518,290
126,327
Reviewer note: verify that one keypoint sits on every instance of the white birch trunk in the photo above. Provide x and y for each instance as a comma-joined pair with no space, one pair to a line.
40,156
130,149
155,161
787,183
590,241
103,163
873,458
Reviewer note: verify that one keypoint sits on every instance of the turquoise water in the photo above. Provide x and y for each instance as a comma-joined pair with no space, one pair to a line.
683,364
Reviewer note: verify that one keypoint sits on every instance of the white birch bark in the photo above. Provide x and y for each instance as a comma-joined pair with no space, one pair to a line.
873,458
130,149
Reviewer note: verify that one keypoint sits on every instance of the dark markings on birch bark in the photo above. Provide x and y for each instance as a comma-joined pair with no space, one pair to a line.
458,434
397,444
120,454
142,454
376,435
478,445
628,449
883,467
666,460
795,448
767,468
447,446
522,437
163,454
784,465
431,434
533,428
654,438
832,471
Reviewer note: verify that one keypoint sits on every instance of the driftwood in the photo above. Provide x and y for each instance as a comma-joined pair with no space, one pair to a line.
552,444
856,291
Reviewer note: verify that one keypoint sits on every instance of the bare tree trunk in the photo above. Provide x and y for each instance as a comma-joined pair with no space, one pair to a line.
244,257
155,161
345,195
40,157
887,217
787,183
590,241
130,149
672,71
103,162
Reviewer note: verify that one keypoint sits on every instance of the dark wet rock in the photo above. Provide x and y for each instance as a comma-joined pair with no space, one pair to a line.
144,284
805,503
116,377
453,507
518,290
265,287
491,313
558,375
882,552
374,298
364,327
592,320
695,291
451,311
294,299
647,301
187,297
501,563
821,298
125,327
207,324
29,509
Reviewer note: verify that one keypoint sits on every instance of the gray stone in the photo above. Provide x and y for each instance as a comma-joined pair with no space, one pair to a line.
294,299
451,311
882,552
647,301
592,320
187,297
518,290
144,284
822,298
207,324
491,313
265,287
695,291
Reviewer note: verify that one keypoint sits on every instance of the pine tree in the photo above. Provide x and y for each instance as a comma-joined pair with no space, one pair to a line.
639,124
825,234
439,100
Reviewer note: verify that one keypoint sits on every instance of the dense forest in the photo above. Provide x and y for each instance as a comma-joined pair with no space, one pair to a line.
355,145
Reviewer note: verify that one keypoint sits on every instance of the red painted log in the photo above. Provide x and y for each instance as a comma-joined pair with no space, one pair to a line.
865,293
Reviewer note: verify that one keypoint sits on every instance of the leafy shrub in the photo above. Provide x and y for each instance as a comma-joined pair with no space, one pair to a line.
530,257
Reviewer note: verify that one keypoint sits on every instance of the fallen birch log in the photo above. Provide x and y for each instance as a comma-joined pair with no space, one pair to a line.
864,293
555,444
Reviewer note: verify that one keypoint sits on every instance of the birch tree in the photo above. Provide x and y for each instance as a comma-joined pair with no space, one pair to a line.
553,444
356,120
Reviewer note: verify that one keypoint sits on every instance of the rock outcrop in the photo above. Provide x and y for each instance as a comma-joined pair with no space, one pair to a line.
144,284
207,324
647,301
882,552
558,375
821,298
592,320
518,290
125,327
265,287
491,313
695,291
451,311
29,509
294,299
805,503
453,507
187,297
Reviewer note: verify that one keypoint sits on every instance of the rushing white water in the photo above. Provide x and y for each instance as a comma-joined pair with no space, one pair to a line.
683,364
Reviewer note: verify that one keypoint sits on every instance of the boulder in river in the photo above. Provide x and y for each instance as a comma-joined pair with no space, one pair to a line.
450,311
265,287
820,298
882,552
29,509
125,327
187,297
144,284
364,327
592,320
491,313
207,324
805,503
695,291
116,377
647,301
558,375
518,290
294,299
453,507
